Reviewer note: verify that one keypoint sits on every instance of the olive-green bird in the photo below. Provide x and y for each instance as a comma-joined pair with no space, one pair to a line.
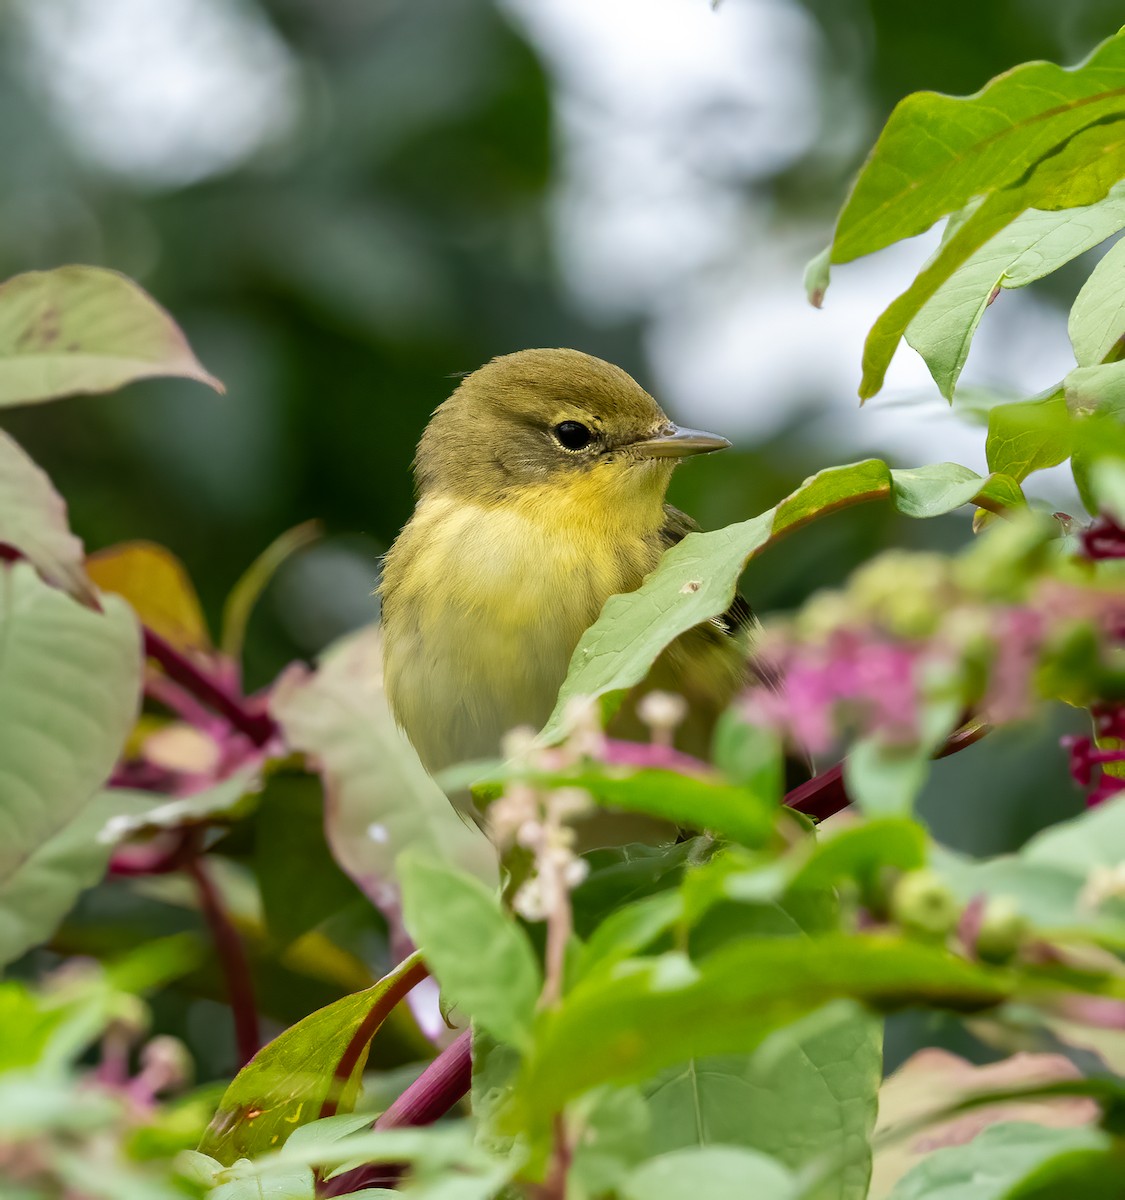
540,486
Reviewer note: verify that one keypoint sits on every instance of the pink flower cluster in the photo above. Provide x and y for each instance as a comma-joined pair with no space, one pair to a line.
1088,757
852,681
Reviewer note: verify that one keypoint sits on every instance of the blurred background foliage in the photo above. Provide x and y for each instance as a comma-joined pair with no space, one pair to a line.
345,202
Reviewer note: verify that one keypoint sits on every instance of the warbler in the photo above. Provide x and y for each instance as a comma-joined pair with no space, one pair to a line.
540,494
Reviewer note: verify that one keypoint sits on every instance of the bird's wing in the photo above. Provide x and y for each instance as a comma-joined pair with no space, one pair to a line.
737,619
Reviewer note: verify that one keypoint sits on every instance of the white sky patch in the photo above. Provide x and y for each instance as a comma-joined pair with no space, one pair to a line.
163,91
666,110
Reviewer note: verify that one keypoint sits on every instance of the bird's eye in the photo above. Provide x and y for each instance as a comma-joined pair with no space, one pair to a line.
573,435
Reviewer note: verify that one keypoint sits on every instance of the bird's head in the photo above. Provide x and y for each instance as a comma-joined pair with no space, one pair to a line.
558,423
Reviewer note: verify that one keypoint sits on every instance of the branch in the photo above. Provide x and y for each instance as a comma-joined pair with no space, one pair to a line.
440,1086
259,727
377,1014
824,795
232,957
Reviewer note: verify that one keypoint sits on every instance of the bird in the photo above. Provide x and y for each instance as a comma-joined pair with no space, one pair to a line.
540,493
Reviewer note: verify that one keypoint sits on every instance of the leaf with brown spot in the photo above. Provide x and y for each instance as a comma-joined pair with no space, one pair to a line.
83,329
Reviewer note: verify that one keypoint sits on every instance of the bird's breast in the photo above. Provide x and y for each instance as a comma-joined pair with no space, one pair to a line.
482,609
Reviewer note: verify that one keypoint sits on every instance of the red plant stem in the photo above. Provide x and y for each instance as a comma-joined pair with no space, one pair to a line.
440,1086
436,1090
232,957
822,796
176,699
258,727
825,795
377,1014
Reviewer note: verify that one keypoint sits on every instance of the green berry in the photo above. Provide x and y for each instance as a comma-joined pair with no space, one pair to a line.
923,904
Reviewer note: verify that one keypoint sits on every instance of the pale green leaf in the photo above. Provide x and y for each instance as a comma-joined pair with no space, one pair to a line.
1095,389
1097,319
1080,173
1107,484
33,521
1032,246
716,1172
70,683
41,890
379,798
85,329
480,956
254,580
992,1163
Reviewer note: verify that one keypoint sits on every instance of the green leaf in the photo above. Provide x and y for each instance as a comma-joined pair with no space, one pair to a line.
41,890
1028,436
246,592
1077,172
885,779
992,1163
1095,837
1107,485
717,1172
702,801
303,1071
1048,894
937,153
697,578
85,329
609,1129
808,1093
860,851
1095,389
628,930
1097,319
1032,246
289,844
939,488
480,956
70,682
33,521
1094,1173
667,1009
749,754
379,800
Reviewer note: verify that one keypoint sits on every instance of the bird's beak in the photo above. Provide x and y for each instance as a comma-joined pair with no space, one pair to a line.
674,442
